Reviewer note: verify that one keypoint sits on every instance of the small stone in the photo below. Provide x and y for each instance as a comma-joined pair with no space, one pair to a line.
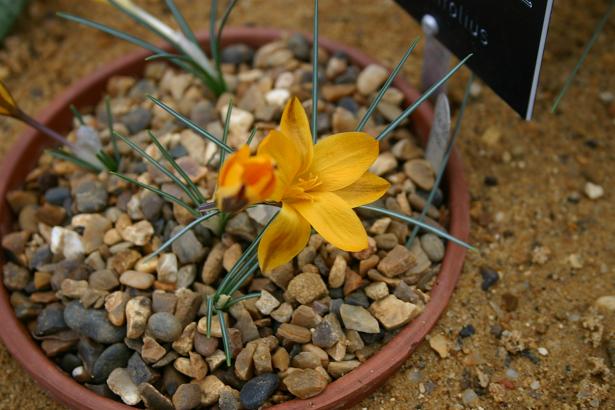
120,383
371,78
231,256
15,277
229,399
103,280
294,333
337,274
469,397
343,120
240,121
167,268
151,351
66,243
138,234
240,225
440,344
90,197
92,323
283,313
163,301
433,247
204,345
575,261
392,312
186,276
543,351
137,280
467,331
138,311
490,277
237,54
307,287
164,326
262,359
593,191
50,320
398,261
187,397
213,264
153,399
211,387
306,360
57,195
359,319
215,360
606,303
184,344
338,369
188,248
51,214
73,289
139,371
244,365
115,305
137,120
112,357
277,97
328,332
258,390
305,316
377,290
266,303
421,173
305,383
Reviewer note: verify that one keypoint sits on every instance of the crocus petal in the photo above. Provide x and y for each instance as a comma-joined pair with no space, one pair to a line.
366,190
295,125
334,220
7,102
284,239
341,159
286,157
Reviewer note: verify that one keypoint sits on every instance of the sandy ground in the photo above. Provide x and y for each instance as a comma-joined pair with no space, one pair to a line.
553,247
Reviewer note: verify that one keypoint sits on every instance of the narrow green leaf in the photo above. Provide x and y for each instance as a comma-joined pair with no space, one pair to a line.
167,56
423,225
584,54
372,107
203,133
159,166
181,21
106,160
227,126
116,150
69,156
252,267
198,197
155,190
183,231
443,164
226,339
210,313
77,114
116,33
315,73
238,299
251,137
420,100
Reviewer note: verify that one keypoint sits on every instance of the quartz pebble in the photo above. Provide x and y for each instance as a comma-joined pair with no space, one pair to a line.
371,78
120,383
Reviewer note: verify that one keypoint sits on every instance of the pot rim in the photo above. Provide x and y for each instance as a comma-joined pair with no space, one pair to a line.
341,393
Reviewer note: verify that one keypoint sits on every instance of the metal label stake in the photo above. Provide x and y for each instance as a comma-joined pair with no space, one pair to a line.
436,59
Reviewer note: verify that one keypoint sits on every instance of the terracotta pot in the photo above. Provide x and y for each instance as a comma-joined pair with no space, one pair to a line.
340,394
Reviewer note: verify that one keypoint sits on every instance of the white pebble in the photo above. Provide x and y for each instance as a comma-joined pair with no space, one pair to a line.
277,97
543,351
593,191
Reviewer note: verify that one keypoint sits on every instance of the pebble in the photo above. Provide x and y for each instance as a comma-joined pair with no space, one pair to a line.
377,290
294,333
338,369
337,274
151,351
490,278
138,311
398,261
277,97
187,397
90,197
283,313
606,303
240,121
305,316
371,78
359,319
299,46
15,277
305,383
92,323
266,303
139,371
66,243
237,54
188,248
115,305
153,399
469,397
211,387
440,344
328,332
50,320
57,195
112,357
384,164
164,326
593,191
213,264
137,280
167,268
137,119
433,247
258,390
120,383
307,287
138,234
421,173
392,312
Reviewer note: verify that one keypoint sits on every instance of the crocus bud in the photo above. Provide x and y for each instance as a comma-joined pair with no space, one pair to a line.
244,179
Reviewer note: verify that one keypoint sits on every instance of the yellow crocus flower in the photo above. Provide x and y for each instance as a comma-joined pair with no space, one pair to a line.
8,106
317,185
